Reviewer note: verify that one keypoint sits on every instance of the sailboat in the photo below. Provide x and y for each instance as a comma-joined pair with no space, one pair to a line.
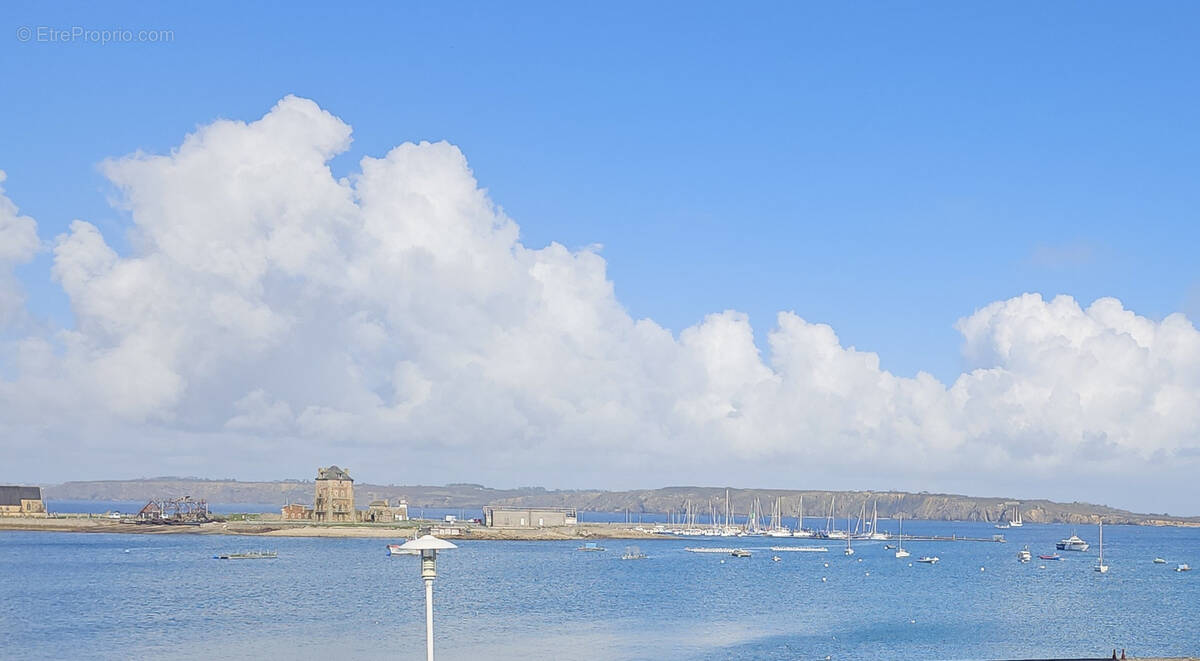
849,550
800,531
1101,567
875,534
900,552
1016,520
831,530
777,527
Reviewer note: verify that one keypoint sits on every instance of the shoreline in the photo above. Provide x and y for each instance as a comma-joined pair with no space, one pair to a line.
81,523
582,531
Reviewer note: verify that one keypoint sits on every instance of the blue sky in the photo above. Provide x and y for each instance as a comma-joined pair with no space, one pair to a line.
885,168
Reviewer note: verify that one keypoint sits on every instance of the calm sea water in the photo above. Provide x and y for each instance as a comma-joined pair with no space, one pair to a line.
110,596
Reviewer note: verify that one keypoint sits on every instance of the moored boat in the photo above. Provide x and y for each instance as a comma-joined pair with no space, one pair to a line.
1160,561
740,553
900,552
248,555
1024,555
1052,556
1184,567
590,546
928,559
1100,566
1072,543
633,553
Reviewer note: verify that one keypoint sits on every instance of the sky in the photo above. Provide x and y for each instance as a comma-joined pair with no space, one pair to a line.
927,246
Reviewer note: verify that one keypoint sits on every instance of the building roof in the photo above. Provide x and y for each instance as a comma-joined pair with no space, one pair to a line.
333,473
14,495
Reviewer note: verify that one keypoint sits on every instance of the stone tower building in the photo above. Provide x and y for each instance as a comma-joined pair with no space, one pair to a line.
334,500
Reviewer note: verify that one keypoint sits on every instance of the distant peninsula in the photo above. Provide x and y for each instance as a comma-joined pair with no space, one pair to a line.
929,506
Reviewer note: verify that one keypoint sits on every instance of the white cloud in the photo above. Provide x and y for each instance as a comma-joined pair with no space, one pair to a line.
18,244
396,315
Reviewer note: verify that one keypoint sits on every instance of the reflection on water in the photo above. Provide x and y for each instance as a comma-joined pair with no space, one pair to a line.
163,596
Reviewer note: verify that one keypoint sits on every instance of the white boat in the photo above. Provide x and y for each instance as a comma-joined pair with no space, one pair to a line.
1072,543
875,534
395,549
740,553
801,549
1014,522
1183,567
1100,566
800,530
849,549
1024,555
900,552
928,559
633,553
1159,561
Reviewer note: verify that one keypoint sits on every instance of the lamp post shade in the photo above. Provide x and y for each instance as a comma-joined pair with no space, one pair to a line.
427,543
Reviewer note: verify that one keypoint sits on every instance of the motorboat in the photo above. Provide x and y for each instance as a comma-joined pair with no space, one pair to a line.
928,559
1159,561
1183,567
590,546
1024,555
1052,556
1072,543
740,553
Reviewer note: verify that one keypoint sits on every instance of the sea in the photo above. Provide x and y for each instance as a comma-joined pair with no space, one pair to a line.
146,596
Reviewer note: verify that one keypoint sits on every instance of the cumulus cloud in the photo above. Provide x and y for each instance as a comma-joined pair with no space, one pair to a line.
18,244
269,310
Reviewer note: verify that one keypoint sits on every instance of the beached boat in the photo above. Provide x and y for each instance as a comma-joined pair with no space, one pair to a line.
590,546
928,559
1024,555
1072,543
1100,566
248,555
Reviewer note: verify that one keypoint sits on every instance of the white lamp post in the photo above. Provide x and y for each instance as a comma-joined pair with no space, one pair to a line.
428,546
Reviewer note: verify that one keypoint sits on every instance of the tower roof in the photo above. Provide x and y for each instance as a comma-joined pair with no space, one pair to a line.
333,473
